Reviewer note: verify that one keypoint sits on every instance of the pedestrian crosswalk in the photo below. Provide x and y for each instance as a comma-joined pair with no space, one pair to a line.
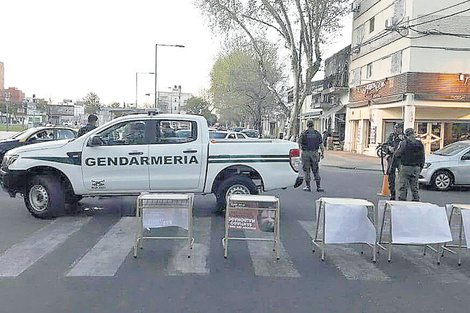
112,250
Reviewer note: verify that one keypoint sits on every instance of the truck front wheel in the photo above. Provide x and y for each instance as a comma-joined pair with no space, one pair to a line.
44,196
234,185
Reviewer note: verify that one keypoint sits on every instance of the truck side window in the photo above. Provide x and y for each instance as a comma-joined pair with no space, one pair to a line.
176,131
125,133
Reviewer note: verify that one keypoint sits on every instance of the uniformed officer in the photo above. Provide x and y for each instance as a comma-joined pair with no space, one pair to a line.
311,144
393,163
92,119
412,158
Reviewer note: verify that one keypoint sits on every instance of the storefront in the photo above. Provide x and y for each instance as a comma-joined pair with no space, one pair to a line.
437,106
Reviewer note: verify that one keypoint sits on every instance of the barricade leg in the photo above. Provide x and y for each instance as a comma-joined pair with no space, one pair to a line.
317,226
382,228
444,247
460,239
438,254
278,230
225,240
323,233
390,239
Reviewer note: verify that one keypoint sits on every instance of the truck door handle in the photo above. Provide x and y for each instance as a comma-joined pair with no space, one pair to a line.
136,153
189,151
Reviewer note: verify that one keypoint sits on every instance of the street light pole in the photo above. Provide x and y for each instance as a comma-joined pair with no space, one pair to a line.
136,74
156,49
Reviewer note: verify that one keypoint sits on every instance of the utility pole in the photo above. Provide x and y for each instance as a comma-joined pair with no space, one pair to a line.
7,98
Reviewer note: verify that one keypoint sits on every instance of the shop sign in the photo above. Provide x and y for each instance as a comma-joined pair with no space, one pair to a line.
371,88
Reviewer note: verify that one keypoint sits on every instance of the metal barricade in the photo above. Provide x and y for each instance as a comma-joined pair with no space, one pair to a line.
462,211
159,210
252,213
320,239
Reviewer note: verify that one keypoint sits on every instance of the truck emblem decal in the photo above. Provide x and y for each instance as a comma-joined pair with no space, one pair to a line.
143,160
98,184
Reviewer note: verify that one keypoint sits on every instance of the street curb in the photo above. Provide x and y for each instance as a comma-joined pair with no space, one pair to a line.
354,168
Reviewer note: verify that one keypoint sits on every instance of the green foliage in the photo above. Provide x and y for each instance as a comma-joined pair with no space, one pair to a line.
200,106
237,83
115,105
92,103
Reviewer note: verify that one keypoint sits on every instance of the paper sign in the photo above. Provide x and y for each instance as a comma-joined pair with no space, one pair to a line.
158,218
466,225
420,225
348,223
243,219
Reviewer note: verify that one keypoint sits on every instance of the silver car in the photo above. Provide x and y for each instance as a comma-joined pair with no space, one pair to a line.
448,166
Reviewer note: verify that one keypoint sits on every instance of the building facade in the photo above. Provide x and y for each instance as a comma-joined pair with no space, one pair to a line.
409,63
173,101
2,76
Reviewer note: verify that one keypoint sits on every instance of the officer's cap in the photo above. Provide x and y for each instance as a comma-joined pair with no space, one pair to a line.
409,132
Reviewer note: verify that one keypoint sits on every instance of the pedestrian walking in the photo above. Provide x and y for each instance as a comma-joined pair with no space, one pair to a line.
412,158
92,120
393,164
311,144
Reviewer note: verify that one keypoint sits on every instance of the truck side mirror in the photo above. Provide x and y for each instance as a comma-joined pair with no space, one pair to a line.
95,141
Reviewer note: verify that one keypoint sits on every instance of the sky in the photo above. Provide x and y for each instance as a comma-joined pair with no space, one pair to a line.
65,49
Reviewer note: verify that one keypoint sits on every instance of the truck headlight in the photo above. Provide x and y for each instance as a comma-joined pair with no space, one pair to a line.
427,165
9,160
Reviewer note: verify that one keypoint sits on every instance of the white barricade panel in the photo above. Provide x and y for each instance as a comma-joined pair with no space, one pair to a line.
419,224
158,218
466,225
348,223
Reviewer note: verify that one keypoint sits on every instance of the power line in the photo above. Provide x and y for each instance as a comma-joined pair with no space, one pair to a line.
439,18
434,12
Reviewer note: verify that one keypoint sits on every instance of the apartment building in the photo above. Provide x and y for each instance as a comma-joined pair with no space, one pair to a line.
410,62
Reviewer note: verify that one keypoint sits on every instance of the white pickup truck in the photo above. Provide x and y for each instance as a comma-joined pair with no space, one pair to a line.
147,152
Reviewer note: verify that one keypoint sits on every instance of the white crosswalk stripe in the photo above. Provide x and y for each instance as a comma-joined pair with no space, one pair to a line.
348,261
180,264
105,258
265,263
21,256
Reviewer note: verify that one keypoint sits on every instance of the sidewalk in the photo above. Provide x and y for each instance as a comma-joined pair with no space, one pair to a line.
350,160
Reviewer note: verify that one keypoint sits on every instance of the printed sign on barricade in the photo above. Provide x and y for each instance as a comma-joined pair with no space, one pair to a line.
252,213
159,210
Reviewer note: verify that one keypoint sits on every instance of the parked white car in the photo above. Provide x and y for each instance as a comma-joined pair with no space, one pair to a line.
226,135
448,166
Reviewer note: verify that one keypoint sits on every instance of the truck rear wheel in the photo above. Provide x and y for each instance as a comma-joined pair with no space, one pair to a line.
234,185
44,196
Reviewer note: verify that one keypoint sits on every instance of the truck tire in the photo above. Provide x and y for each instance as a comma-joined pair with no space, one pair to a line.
234,185
44,196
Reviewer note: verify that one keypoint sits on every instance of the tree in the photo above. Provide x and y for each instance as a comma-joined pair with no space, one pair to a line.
92,103
200,106
237,83
302,25
115,105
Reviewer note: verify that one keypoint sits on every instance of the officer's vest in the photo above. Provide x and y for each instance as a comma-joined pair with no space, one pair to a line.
413,150
313,140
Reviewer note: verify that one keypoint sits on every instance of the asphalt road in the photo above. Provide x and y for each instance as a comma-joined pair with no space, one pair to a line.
84,263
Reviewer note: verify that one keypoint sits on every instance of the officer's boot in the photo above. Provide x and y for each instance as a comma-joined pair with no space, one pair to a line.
307,188
319,188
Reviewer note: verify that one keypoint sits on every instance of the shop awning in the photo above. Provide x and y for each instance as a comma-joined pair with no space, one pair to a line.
341,108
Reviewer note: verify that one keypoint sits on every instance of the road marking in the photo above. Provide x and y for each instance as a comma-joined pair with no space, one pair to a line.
180,264
264,259
21,256
350,262
107,256
427,265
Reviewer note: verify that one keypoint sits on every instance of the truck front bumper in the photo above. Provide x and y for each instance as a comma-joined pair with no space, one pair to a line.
13,181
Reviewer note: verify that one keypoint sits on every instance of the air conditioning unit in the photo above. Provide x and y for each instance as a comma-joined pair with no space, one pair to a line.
355,7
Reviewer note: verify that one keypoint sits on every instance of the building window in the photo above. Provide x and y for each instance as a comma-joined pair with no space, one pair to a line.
396,60
369,70
355,77
371,24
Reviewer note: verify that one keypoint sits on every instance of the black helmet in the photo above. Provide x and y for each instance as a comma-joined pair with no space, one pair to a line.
310,123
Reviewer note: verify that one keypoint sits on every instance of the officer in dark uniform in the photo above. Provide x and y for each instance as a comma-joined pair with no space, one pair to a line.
92,119
311,144
393,163
412,159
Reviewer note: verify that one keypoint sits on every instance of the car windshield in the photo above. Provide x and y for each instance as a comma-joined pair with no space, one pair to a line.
251,133
217,135
25,134
452,149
